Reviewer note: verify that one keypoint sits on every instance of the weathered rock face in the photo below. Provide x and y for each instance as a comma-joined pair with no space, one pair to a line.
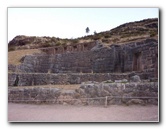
90,94
11,68
136,56
135,78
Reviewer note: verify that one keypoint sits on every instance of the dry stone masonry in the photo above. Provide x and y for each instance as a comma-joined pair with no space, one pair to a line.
136,56
90,93
108,67
32,79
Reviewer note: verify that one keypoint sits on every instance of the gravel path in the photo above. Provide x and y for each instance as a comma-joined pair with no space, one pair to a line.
69,113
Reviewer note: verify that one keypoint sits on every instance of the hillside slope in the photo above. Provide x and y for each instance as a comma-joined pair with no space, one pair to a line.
122,34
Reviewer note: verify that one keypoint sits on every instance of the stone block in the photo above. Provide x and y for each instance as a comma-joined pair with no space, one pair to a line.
135,101
135,78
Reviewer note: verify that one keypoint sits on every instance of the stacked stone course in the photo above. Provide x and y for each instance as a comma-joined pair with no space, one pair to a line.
90,94
33,79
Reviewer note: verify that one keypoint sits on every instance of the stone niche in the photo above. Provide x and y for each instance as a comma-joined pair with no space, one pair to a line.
137,63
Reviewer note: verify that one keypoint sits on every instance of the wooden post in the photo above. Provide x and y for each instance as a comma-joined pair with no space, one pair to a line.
106,101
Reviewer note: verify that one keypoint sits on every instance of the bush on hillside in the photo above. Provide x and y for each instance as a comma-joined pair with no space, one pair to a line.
105,40
11,48
153,33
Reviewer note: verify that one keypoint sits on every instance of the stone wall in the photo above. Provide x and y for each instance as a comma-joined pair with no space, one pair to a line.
135,56
31,79
83,62
90,94
142,57
69,48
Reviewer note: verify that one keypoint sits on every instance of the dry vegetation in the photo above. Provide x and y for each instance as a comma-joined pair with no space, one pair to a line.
134,31
14,57
124,33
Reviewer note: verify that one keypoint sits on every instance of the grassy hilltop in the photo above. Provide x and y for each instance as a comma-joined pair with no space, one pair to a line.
124,33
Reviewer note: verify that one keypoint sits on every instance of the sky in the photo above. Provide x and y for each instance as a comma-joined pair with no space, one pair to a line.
71,22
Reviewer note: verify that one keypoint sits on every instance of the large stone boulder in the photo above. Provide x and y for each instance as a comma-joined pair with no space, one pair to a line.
135,101
135,78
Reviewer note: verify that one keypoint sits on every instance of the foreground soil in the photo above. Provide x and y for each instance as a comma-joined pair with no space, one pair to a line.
69,113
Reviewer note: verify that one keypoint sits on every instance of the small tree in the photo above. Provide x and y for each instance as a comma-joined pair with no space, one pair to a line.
87,30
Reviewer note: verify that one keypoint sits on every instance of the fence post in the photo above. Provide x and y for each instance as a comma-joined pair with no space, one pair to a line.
106,101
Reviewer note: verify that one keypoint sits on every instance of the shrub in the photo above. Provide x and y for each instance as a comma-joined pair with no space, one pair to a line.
97,37
105,40
58,43
75,41
107,35
64,43
53,39
153,33
11,48
115,40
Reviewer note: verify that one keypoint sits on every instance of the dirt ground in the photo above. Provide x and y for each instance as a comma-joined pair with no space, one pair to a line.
69,113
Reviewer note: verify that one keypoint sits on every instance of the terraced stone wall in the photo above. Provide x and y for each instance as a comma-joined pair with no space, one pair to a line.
89,94
33,79
69,48
136,56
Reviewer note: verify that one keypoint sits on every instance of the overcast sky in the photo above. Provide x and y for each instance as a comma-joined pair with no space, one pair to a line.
71,22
